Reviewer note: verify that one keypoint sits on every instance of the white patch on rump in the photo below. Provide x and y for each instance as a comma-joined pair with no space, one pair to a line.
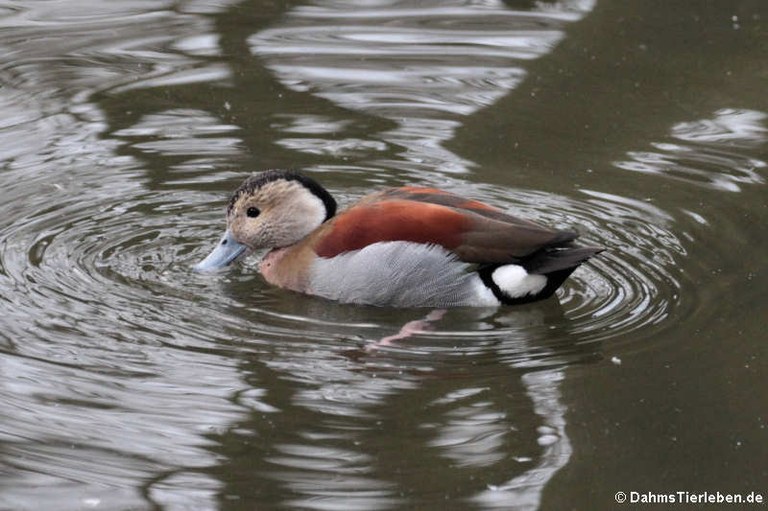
515,282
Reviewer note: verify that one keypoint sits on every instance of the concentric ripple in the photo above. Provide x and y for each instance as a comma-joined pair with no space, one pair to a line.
129,260
627,292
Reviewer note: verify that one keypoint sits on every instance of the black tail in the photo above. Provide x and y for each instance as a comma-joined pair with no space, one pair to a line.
556,264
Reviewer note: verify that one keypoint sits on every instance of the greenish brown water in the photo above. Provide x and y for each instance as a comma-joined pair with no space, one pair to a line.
127,381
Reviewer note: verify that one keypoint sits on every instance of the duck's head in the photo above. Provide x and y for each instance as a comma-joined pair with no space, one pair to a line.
274,209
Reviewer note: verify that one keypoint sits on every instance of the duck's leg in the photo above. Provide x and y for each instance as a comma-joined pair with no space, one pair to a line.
412,327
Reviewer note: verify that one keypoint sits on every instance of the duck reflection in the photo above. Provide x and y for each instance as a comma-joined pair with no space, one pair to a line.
469,408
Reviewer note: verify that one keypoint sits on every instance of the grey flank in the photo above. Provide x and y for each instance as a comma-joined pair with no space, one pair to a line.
399,274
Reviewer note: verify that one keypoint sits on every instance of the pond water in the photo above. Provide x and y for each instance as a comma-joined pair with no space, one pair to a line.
127,381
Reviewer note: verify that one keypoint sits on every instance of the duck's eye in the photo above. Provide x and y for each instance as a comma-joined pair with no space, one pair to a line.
252,212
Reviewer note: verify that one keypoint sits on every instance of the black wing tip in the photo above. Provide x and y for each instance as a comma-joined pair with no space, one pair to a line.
563,238
553,259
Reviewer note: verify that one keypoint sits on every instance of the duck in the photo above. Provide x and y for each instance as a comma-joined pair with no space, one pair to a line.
411,246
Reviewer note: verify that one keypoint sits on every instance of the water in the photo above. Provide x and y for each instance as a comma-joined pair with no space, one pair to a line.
129,382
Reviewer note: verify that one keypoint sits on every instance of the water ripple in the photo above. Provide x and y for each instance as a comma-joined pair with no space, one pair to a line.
708,152
421,67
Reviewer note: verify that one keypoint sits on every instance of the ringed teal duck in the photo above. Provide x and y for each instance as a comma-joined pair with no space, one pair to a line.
402,247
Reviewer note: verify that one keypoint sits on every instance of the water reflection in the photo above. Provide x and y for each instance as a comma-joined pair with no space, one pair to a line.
129,382
708,152
325,439
422,66
83,348
525,490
